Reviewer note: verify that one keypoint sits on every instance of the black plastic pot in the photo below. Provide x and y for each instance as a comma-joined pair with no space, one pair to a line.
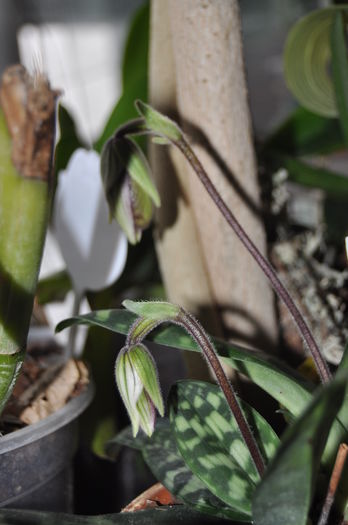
36,461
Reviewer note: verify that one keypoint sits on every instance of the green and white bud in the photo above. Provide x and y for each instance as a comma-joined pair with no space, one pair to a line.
137,381
158,123
129,189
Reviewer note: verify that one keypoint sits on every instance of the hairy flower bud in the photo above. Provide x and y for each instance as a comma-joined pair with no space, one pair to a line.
137,381
128,187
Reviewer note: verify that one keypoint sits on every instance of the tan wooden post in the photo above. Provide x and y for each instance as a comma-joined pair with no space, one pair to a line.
197,75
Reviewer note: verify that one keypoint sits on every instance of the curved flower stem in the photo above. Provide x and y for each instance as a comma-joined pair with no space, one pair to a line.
192,326
265,265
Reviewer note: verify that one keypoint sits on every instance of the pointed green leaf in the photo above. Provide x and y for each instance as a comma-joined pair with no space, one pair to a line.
134,74
285,492
154,310
340,70
158,123
210,442
69,140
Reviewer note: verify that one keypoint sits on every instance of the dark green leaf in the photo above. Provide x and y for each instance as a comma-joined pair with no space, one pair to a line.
126,438
68,141
210,442
284,495
53,288
10,366
134,74
162,456
135,58
305,133
340,70
161,516
334,184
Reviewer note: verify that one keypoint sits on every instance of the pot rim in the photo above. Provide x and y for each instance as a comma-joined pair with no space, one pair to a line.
49,424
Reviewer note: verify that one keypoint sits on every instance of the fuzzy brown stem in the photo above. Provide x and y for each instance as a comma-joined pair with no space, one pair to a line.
265,266
192,326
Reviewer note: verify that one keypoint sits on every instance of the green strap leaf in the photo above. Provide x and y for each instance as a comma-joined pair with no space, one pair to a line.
306,59
285,492
340,70
282,383
210,442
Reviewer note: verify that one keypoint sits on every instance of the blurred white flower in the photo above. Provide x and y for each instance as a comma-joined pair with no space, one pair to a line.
94,250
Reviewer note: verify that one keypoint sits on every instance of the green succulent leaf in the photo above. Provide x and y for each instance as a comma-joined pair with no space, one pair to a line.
210,442
153,310
340,70
158,123
306,59
285,492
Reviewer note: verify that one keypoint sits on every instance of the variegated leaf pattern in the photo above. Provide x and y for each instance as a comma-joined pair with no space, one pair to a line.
163,458
210,442
166,463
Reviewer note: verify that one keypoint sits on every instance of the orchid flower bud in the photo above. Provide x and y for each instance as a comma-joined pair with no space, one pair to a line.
129,189
137,381
162,126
